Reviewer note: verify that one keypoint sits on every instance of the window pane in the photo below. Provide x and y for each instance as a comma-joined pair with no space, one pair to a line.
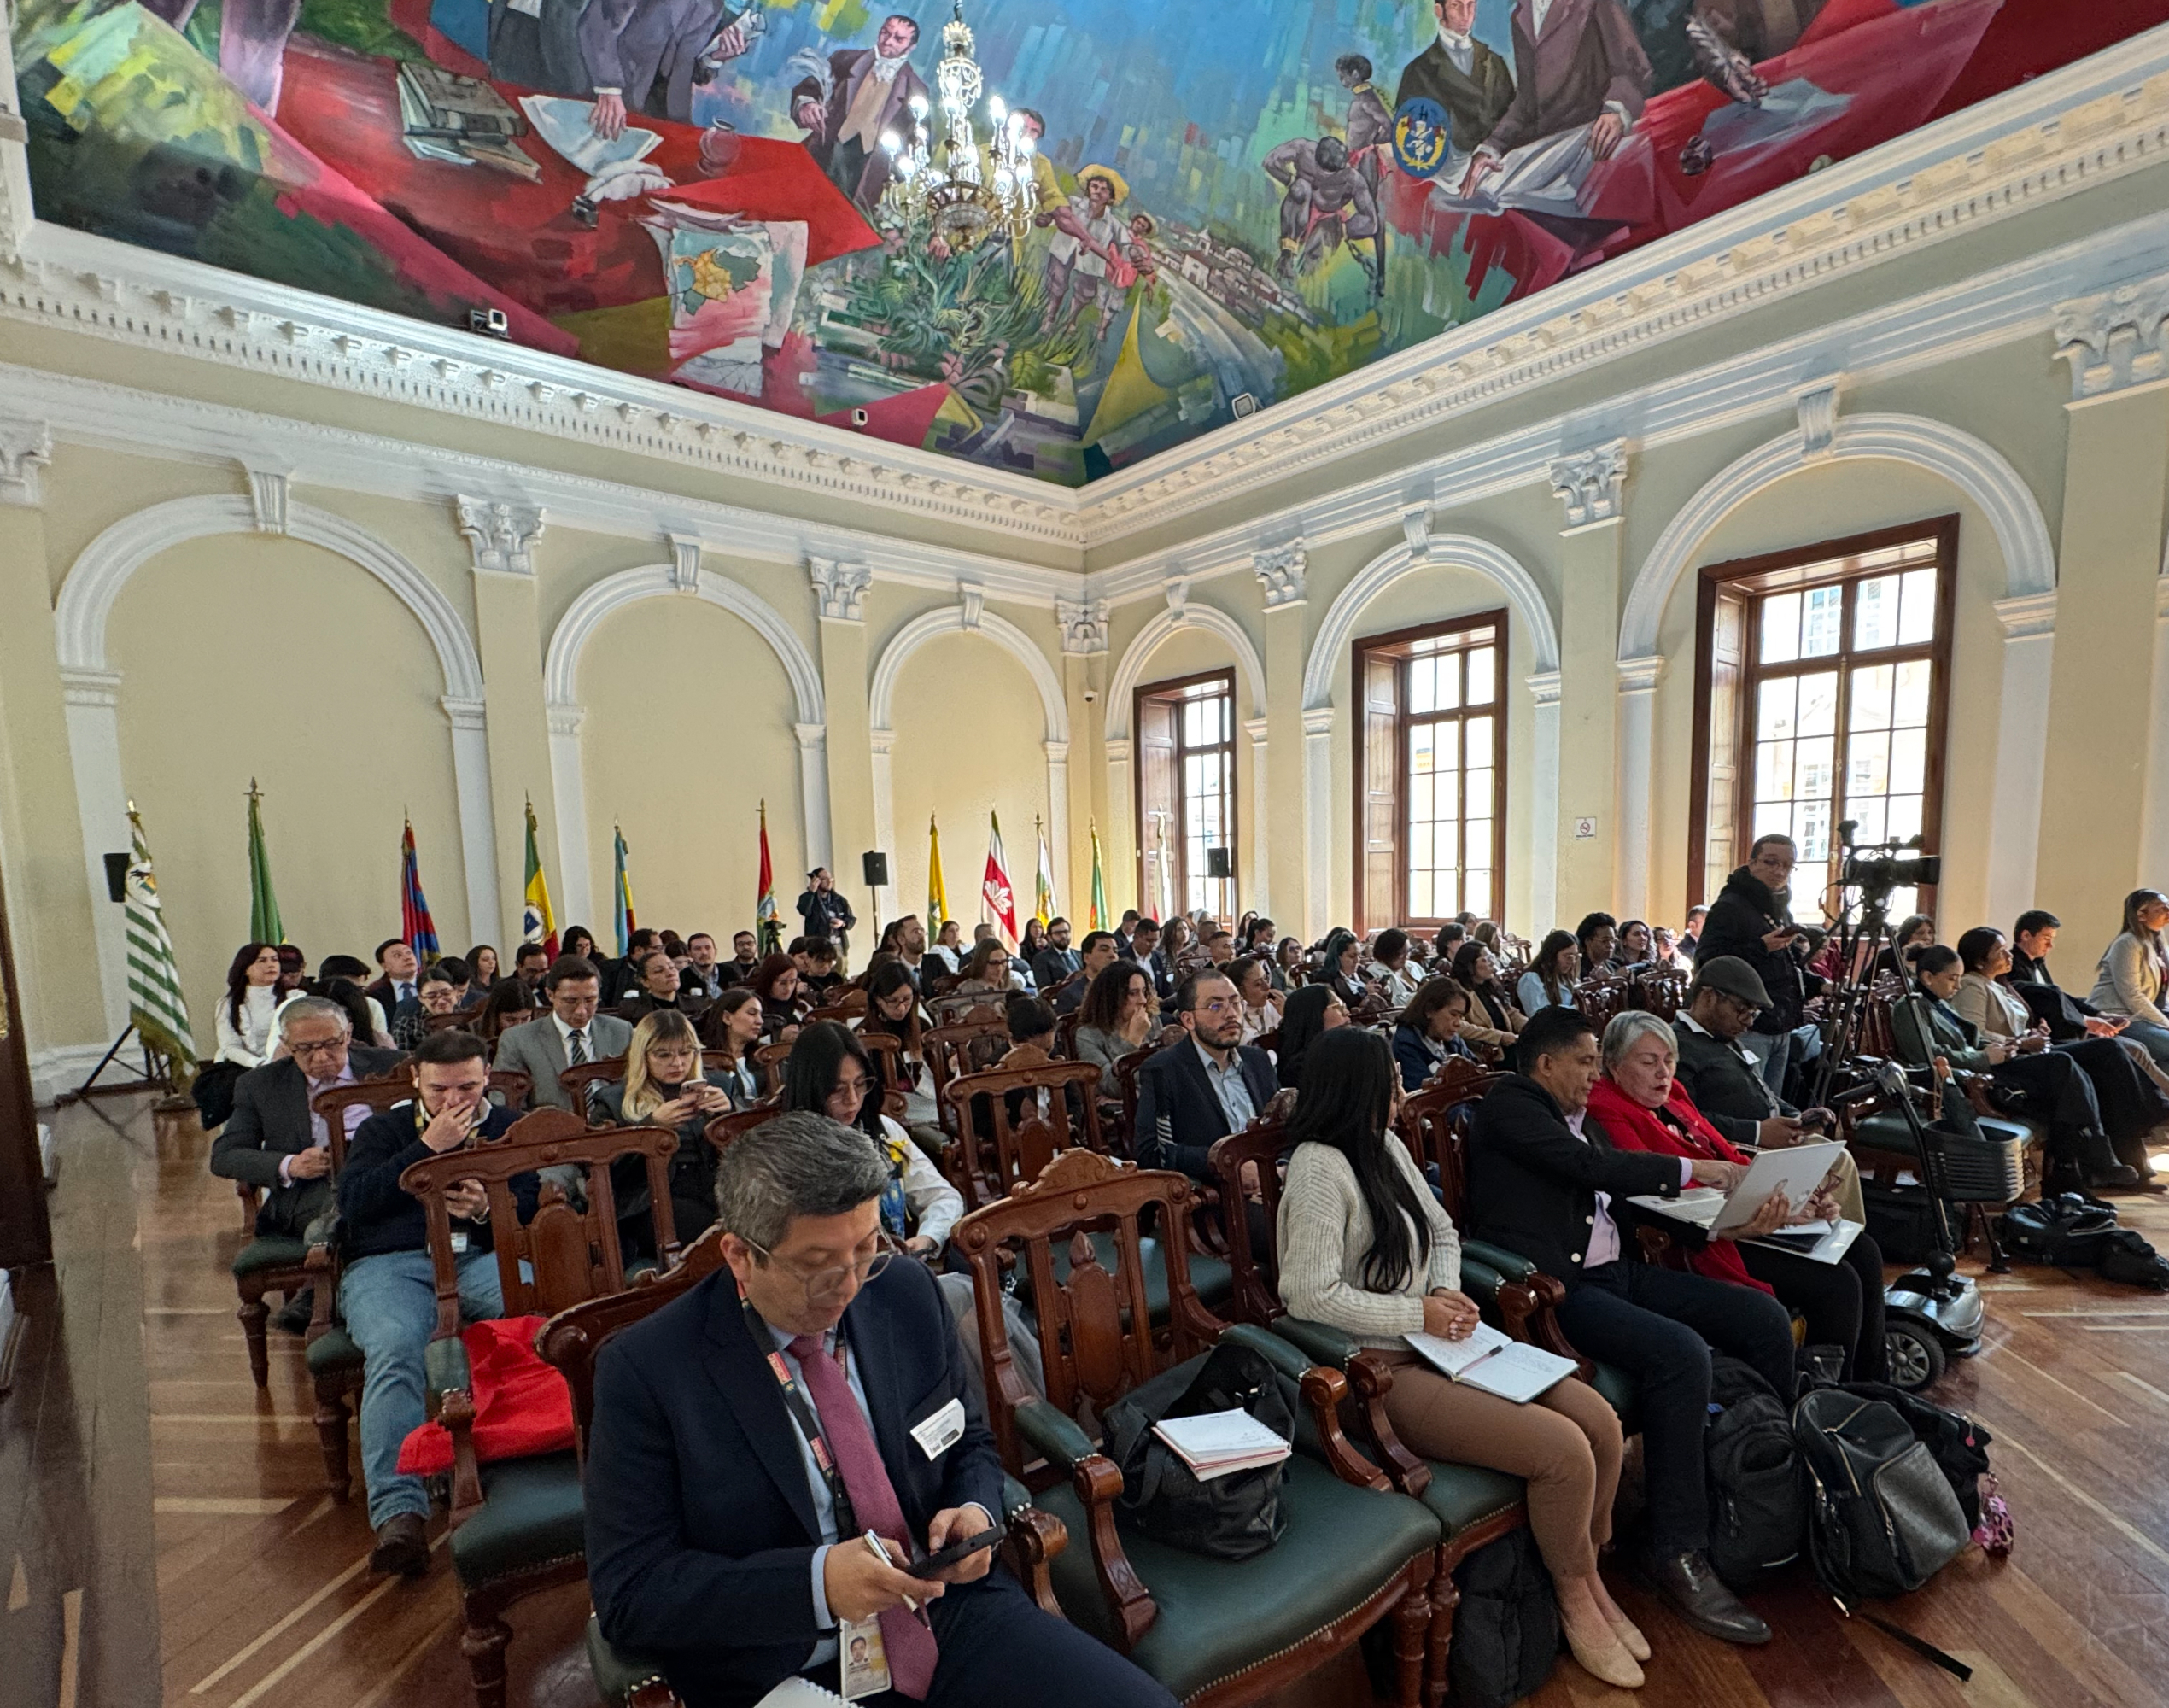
1449,670
1872,696
1813,766
1819,704
1876,613
1904,819
1775,704
1820,622
1422,749
1911,707
1446,849
1773,818
1479,792
1811,830
1868,764
1909,762
1423,684
1445,896
1419,895
1917,620
1476,895
1780,616
1477,843
1419,799
1475,735
1194,724
1483,675
1773,772
1870,816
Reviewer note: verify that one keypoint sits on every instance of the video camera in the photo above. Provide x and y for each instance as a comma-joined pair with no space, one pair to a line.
1877,869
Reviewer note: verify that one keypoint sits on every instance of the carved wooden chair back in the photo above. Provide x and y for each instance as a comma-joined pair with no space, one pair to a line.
604,1070
1434,1126
1097,1338
562,1255
1001,1145
721,1131
1066,1036
888,1050
375,1095
571,1340
513,1088
847,1007
969,1047
1601,998
1875,1035
1662,992
768,1066
1246,1164
964,1008
1125,1080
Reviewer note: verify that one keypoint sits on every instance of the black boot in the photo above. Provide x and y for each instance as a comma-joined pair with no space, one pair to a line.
1690,1583
2104,1172
293,1317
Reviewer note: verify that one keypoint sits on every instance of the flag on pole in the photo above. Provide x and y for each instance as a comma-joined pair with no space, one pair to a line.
264,925
1042,879
154,1003
1166,885
1099,886
937,888
415,924
537,923
621,898
994,887
771,933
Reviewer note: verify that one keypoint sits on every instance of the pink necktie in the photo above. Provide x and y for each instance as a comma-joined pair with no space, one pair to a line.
908,1645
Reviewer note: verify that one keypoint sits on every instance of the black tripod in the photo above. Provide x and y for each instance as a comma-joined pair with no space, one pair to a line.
1859,946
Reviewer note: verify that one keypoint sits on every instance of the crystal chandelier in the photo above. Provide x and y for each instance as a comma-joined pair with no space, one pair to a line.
963,193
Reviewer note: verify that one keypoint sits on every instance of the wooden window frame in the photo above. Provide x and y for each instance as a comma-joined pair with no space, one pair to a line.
1174,687
1402,642
1746,579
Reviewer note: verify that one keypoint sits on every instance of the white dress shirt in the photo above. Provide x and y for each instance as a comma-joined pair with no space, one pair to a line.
1460,49
1603,1232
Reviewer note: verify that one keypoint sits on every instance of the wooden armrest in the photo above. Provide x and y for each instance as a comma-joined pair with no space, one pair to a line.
1370,1380
448,1385
1035,1538
1323,1389
1098,1485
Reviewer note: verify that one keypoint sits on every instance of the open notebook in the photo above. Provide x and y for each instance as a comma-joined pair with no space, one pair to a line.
1491,1360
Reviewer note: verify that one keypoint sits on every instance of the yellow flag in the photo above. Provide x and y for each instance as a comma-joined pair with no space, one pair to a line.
936,891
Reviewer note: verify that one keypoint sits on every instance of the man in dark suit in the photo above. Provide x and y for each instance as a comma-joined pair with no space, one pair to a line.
1057,960
398,975
389,1292
864,92
1541,1182
570,1033
1144,949
1205,1088
1067,995
1752,920
622,977
646,56
724,1546
1576,62
1469,81
1725,1081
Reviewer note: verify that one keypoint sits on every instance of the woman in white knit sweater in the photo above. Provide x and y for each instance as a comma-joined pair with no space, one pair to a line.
243,1019
1365,1248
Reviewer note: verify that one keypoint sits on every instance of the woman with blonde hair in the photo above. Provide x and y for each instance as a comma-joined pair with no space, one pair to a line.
664,1086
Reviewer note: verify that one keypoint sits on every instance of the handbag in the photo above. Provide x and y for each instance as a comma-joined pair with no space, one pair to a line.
214,1093
1882,1516
1233,1516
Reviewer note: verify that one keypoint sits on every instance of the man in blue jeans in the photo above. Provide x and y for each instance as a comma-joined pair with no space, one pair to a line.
389,1292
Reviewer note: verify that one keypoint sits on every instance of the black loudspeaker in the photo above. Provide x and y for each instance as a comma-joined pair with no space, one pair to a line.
876,867
1219,863
116,877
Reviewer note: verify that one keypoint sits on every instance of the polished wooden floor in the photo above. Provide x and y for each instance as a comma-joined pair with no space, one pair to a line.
164,1534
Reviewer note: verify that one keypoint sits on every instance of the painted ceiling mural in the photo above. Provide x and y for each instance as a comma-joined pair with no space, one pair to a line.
1183,214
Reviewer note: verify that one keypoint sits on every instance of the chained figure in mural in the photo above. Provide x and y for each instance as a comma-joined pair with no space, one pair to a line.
847,101
1371,127
1085,262
1327,197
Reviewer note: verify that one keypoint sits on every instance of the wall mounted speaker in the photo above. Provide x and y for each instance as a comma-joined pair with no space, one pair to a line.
876,867
1219,863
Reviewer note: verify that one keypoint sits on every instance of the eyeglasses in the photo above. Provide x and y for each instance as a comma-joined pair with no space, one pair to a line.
826,1284
851,1088
1218,1005
328,1047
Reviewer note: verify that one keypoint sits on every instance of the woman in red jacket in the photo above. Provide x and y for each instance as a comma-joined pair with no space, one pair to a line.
1640,1106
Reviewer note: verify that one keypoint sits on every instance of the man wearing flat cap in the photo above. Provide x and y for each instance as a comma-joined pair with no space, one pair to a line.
1724,1081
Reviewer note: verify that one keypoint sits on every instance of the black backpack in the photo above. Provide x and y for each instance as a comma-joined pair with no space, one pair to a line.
1225,1517
1958,1445
2126,1256
1758,1504
1506,1630
2063,1228
1883,1519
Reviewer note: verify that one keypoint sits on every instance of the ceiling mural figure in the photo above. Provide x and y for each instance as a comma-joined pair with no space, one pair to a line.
1051,236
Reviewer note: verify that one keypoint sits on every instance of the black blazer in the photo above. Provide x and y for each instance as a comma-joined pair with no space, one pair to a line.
1725,1085
1533,1184
271,1117
1179,1114
700,1524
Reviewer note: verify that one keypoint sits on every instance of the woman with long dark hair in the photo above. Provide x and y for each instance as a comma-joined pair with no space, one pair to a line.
986,969
579,940
1366,1248
1116,1018
829,1072
1549,982
893,1006
482,974
246,1011
2132,977
1308,1015
1430,1031
1493,1018
1288,964
776,982
1342,967
734,1024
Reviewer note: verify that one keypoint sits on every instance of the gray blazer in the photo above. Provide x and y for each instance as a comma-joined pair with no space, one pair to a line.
2129,981
535,1049
271,1117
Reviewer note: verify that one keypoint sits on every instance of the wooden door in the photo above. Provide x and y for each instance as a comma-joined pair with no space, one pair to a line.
1160,832
25,1238
1379,903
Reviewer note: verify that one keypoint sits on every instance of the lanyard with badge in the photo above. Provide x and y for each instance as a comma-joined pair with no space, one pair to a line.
422,1119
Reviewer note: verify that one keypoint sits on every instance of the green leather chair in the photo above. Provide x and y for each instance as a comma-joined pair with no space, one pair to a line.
1355,1552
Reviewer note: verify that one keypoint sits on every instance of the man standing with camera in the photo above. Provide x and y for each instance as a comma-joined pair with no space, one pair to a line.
1752,920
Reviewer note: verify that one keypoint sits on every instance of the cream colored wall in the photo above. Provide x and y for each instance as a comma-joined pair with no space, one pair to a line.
245,656
688,730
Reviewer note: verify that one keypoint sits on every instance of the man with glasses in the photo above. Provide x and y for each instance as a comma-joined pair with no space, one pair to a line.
1206,1087
1725,1080
275,1141
571,1033
749,1435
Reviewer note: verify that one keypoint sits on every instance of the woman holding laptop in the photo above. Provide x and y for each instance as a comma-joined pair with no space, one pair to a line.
1365,1248
1641,1106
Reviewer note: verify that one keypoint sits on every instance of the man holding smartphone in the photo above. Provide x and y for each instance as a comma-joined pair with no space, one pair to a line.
1752,921
388,1294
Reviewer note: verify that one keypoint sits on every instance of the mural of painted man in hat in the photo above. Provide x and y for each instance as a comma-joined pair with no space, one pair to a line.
1085,261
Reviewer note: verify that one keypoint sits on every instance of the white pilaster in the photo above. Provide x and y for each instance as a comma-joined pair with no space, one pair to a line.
1317,818
813,790
1540,908
1124,836
1058,820
1637,782
568,786
880,742
1260,879
2154,843
2022,752
92,700
478,825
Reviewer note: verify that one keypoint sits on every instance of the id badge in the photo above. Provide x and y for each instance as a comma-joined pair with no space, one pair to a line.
459,1244
941,1431
864,1663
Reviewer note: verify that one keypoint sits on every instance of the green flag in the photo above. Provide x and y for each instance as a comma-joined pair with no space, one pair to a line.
154,1002
263,901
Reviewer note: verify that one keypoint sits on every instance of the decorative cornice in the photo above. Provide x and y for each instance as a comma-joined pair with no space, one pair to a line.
841,586
1083,625
1544,688
267,495
1591,483
1282,570
1816,406
26,448
2114,339
1639,675
2027,615
500,535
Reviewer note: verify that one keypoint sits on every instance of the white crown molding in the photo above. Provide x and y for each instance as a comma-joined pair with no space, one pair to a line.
2054,137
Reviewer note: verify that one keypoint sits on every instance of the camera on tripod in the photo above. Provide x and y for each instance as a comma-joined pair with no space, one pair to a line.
1876,869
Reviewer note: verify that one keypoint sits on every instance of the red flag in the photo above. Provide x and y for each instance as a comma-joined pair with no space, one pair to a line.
1001,899
771,937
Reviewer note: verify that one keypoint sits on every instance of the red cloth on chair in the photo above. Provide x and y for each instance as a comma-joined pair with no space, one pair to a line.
1631,1127
522,1406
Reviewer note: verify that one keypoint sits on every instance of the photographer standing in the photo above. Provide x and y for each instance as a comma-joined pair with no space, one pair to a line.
1752,919
826,913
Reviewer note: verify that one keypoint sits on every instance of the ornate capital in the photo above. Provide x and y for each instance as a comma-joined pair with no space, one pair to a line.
880,741
26,448
1057,753
1318,721
468,714
842,588
501,535
1639,675
2027,615
2114,339
684,563
1544,688
267,495
1591,483
1281,571
972,597
566,718
1256,728
1817,405
812,737
1118,753
1416,529
1083,625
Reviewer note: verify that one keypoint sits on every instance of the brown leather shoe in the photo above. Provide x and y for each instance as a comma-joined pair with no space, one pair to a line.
402,1549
